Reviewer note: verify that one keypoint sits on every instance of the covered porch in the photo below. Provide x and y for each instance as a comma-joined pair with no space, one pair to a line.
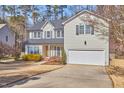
50,50
46,50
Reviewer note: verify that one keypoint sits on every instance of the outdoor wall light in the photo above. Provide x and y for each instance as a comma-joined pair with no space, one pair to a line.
85,43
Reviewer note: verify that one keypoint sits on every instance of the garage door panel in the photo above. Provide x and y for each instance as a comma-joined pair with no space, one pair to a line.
87,57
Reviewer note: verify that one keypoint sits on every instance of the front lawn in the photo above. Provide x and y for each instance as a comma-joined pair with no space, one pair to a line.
116,72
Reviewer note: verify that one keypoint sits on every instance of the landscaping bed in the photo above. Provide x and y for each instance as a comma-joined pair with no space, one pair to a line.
116,72
52,63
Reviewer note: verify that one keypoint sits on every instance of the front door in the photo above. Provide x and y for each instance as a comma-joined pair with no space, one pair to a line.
46,48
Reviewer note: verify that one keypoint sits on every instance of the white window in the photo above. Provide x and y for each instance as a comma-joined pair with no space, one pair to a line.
88,29
39,34
33,50
35,35
48,34
31,35
84,29
59,34
81,29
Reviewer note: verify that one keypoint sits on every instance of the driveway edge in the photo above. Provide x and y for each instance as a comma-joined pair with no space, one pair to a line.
110,77
7,84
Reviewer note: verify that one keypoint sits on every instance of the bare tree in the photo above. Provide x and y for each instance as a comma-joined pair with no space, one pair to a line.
115,13
6,50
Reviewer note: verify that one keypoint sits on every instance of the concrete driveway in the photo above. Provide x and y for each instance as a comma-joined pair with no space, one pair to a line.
70,76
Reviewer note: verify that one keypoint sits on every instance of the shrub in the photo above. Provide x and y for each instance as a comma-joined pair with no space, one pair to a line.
17,56
32,57
64,57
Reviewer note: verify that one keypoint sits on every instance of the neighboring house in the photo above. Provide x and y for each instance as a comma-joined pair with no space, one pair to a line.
81,40
6,35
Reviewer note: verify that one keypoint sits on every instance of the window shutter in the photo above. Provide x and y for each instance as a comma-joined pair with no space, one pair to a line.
77,29
62,33
92,30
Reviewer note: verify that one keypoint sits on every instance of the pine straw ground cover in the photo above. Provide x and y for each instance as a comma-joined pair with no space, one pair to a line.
116,72
8,76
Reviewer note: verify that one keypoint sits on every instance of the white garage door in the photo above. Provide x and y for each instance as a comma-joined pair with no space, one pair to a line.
87,57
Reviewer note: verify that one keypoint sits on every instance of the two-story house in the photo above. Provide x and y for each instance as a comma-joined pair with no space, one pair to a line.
84,43
46,38
6,35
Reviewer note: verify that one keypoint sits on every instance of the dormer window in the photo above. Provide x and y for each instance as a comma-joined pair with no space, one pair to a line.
39,35
48,34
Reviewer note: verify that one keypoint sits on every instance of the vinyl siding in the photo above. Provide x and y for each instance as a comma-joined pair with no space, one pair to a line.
73,41
5,31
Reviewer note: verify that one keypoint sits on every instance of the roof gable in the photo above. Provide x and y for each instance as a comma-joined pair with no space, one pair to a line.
2,25
46,24
82,12
37,26
57,24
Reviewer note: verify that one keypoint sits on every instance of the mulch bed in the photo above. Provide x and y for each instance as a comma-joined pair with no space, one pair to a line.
52,63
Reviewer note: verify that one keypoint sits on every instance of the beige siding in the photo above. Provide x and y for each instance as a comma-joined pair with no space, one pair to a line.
73,41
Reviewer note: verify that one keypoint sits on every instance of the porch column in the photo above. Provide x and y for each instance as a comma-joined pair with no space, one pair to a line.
49,54
51,50
26,49
60,51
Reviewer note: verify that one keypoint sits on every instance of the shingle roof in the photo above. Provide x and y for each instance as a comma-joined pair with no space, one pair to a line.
2,25
56,23
45,41
36,26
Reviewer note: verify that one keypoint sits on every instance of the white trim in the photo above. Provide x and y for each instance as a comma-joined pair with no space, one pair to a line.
81,12
33,46
60,31
50,35
31,35
85,30
46,24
